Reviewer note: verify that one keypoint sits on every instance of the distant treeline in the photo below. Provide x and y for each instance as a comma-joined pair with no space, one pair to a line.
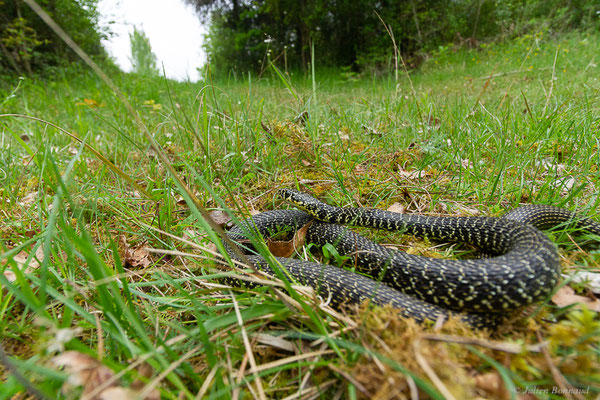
246,34
27,44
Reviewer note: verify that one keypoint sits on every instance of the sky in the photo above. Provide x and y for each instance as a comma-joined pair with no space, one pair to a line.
173,28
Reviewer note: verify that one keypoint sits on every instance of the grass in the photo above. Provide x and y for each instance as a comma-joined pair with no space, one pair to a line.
473,132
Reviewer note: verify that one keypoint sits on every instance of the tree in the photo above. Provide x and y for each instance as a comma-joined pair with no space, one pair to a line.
356,33
143,60
27,44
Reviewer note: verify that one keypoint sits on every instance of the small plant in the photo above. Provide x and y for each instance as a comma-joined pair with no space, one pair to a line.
19,42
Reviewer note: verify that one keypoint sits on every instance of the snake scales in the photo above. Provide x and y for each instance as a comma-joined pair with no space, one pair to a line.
523,269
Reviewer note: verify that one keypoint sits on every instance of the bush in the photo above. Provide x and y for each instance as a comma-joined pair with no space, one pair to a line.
27,44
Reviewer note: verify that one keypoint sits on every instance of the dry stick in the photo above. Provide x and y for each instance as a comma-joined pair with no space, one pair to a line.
560,380
207,382
551,81
248,347
391,35
518,71
512,348
311,391
430,372
379,364
239,377
154,383
100,337
398,55
414,391
309,373
528,108
289,360
350,379
482,91
155,146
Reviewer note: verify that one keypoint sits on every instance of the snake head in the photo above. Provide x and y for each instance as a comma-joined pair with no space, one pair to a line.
316,208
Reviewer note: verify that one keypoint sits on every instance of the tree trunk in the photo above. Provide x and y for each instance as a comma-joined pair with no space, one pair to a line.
10,59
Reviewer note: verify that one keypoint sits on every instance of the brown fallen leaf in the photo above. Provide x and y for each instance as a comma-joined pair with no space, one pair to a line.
433,121
565,296
135,257
265,128
397,208
21,259
145,371
219,217
29,199
285,248
90,103
564,184
343,136
117,393
360,169
275,341
464,210
414,174
466,163
302,118
371,131
306,163
492,383
83,370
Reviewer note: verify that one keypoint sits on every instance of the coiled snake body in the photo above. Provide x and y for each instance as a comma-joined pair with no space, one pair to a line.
524,267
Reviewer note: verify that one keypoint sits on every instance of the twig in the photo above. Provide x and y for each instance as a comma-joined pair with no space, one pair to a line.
551,81
430,372
310,370
207,382
528,108
311,391
350,379
483,90
239,377
566,389
100,337
154,383
512,348
518,71
414,392
289,360
391,35
251,360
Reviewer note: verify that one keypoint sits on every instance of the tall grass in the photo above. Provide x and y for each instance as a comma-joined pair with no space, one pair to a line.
482,131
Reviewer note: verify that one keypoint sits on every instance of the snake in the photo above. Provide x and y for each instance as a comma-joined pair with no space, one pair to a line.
520,264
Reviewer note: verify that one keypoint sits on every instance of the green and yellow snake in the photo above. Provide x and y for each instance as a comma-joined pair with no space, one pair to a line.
523,269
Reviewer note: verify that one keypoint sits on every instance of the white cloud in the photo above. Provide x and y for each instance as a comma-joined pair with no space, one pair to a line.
173,28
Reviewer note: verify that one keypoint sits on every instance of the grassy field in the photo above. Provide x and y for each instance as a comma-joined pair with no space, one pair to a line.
105,255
